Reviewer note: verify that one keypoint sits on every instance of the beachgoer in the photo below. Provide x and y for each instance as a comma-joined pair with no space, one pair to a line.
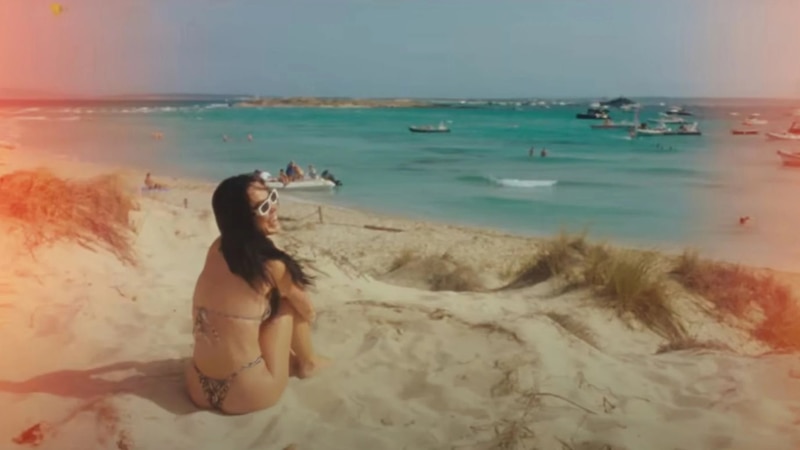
298,173
250,137
543,153
225,138
150,184
251,312
283,178
312,172
743,220
290,170
530,152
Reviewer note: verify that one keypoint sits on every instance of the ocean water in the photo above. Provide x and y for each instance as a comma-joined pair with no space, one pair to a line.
664,192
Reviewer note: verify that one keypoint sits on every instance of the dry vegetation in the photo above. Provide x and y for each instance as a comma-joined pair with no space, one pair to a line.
556,257
691,344
635,285
626,281
92,213
442,273
743,293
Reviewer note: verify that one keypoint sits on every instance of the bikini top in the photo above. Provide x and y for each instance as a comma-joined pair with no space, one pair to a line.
203,328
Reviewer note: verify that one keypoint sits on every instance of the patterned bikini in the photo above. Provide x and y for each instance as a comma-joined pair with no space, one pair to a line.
216,389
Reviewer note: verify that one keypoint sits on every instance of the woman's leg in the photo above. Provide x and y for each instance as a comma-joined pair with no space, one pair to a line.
307,362
275,340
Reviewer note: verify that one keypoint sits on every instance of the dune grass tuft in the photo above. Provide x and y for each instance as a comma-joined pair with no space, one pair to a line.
93,212
690,343
403,258
630,283
739,291
555,258
455,277
443,273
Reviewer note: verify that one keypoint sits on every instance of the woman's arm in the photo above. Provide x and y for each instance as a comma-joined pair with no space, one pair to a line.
294,294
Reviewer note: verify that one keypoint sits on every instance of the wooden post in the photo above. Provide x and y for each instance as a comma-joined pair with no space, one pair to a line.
319,211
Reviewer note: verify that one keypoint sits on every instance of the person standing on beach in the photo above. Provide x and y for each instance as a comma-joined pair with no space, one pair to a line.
252,314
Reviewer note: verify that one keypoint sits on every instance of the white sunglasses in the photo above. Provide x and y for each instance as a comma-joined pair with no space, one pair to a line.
266,206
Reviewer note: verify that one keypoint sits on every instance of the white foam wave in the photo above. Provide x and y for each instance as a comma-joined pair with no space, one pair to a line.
515,183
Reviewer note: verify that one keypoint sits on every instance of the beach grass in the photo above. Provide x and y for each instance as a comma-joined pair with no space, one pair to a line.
441,273
555,258
744,293
628,282
92,212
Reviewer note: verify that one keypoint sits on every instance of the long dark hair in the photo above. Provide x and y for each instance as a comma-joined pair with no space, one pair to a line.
244,245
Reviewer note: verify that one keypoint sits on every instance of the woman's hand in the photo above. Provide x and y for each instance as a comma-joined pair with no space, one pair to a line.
294,295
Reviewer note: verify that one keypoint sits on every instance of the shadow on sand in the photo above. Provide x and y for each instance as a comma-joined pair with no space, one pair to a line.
161,382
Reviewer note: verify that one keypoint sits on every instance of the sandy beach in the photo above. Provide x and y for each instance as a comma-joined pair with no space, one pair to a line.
438,342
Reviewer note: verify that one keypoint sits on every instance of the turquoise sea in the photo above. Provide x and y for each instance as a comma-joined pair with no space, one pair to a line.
668,192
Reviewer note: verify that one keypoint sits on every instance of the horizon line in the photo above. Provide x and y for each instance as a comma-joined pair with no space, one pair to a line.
29,96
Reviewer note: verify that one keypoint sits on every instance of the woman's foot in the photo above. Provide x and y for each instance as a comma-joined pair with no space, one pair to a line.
310,368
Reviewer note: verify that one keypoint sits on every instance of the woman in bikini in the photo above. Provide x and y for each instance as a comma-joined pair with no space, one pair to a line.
251,312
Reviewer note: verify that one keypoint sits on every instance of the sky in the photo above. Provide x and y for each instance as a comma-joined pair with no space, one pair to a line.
404,48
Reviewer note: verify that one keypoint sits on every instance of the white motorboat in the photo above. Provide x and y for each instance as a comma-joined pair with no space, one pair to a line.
666,118
677,111
316,184
753,120
790,158
650,131
644,130
441,128
792,134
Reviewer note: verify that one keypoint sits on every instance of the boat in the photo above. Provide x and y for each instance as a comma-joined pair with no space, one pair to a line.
666,118
315,184
608,124
686,129
744,132
792,134
677,111
649,131
622,103
754,120
791,159
642,129
441,128
594,112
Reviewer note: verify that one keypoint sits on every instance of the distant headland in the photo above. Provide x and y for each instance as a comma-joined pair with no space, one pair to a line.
321,102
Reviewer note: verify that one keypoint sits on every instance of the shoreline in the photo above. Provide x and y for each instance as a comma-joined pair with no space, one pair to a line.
38,157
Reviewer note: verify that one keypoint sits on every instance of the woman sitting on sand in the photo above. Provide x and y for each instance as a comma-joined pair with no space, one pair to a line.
251,312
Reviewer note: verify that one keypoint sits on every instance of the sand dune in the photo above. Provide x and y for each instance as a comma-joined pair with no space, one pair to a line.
96,349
